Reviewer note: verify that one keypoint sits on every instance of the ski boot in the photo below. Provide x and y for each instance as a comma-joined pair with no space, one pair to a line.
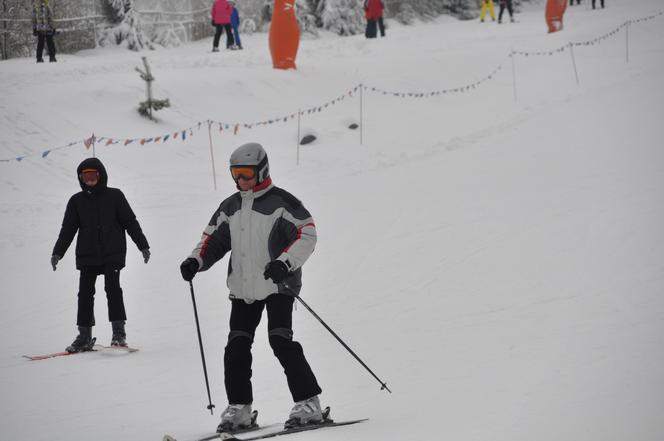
237,418
306,412
83,342
119,335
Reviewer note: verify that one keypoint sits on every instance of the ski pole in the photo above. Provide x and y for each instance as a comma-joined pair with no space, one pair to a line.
383,385
200,343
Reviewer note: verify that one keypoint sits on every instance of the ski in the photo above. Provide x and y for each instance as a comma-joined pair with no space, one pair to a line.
103,348
215,436
53,355
58,354
95,348
327,422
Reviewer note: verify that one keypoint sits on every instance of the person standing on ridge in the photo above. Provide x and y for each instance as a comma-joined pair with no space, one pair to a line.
487,5
505,4
221,20
100,215
43,29
270,235
373,11
235,24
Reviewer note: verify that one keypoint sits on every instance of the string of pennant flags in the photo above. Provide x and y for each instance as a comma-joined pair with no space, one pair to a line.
591,42
234,128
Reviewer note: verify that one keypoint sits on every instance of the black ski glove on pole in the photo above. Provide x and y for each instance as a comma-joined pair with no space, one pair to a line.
146,254
189,268
276,270
54,261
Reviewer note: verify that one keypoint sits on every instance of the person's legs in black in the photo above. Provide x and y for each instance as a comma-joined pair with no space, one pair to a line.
500,13
301,380
40,47
510,9
116,309
217,35
114,299
51,47
86,297
381,26
237,355
230,41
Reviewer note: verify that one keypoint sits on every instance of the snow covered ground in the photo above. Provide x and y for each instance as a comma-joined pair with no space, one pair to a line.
499,263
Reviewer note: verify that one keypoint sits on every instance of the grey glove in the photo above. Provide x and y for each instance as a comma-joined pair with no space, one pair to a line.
54,261
146,254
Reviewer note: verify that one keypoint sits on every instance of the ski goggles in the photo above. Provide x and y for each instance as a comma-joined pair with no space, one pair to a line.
89,174
243,171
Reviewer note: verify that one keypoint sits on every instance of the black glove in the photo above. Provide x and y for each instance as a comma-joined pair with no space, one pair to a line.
212,22
189,268
34,31
146,254
54,261
276,270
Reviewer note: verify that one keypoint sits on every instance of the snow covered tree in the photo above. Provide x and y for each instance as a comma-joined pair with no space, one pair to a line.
126,26
344,17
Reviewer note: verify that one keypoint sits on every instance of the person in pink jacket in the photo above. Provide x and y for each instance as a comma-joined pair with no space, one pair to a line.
221,20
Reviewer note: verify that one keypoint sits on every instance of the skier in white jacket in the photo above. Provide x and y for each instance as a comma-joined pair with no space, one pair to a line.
270,235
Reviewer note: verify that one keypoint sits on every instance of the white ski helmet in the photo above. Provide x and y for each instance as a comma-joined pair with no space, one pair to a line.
252,155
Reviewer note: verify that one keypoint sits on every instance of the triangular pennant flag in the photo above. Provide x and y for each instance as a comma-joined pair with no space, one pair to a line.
166,137
110,141
45,153
184,135
128,141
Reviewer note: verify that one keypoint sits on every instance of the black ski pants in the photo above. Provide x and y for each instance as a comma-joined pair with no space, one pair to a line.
245,317
220,28
505,4
601,2
571,2
41,36
86,294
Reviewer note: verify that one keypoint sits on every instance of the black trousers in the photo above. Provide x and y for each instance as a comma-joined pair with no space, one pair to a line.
237,357
503,5
600,1
41,36
86,295
571,2
229,35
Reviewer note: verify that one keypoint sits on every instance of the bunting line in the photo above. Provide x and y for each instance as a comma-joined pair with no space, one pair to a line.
234,128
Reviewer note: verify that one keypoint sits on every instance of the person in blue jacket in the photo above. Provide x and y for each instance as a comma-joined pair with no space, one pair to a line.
235,24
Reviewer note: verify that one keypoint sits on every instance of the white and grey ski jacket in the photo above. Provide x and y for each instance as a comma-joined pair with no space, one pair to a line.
258,226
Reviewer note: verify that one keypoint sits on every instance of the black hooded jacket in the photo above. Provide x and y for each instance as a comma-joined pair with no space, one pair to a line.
100,215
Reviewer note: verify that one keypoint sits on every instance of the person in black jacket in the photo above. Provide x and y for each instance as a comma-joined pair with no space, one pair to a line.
100,215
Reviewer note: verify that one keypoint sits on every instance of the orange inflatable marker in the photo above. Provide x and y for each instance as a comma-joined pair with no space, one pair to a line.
284,35
554,14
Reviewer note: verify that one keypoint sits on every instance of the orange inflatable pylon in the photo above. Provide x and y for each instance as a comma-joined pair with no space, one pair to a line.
284,35
554,14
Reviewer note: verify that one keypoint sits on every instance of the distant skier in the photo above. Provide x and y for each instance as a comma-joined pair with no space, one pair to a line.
487,5
270,236
43,29
373,11
235,24
221,20
505,4
100,215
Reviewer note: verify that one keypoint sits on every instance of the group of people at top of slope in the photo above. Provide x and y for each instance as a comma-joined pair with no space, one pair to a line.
578,2
269,234
487,6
